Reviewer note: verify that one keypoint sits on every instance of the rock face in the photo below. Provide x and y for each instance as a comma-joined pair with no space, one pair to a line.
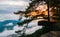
52,34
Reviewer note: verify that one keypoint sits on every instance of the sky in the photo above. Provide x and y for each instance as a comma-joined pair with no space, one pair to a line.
10,6
8,17
33,24
7,7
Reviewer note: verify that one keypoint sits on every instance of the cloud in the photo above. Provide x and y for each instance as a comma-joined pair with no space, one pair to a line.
7,32
11,9
9,6
16,28
9,24
9,17
18,3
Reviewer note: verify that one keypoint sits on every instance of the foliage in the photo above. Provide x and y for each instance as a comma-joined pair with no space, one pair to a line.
24,22
47,28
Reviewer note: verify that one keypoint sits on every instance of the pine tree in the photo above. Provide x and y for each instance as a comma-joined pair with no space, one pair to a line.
48,25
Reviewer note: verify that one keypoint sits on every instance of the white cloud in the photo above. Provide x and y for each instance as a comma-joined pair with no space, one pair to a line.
7,32
14,0
9,17
13,5
9,24
18,3
16,28
34,27
6,5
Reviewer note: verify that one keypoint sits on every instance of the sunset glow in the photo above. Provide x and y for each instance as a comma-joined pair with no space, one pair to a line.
41,9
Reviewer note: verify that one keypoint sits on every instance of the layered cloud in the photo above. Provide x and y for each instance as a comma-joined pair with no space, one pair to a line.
16,28
8,17
15,3
9,6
